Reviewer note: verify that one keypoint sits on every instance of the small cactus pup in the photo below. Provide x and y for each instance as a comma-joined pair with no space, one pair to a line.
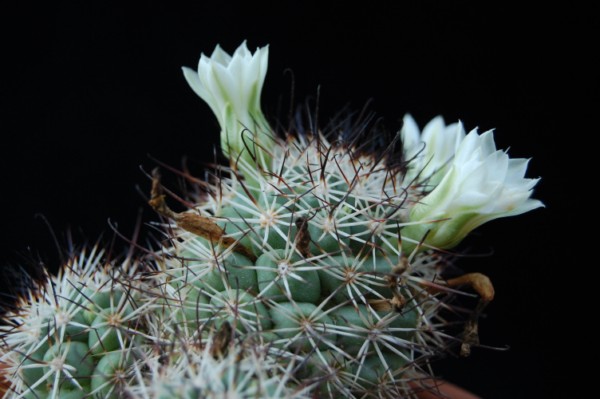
77,334
214,367
326,249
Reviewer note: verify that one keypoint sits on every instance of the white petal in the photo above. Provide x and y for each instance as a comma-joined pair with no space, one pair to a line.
433,130
191,77
410,136
219,56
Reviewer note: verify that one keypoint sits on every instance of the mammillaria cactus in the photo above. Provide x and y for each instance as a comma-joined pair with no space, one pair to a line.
77,332
313,265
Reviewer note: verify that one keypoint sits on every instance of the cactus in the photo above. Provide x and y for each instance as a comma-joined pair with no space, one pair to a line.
312,265
217,367
76,333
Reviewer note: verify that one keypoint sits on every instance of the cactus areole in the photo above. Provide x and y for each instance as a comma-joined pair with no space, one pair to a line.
313,265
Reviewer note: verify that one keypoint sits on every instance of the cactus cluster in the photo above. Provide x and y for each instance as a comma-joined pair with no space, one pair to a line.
76,332
311,266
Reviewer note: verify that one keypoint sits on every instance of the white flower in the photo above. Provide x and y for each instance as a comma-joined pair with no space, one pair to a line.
430,152
231,86
479,184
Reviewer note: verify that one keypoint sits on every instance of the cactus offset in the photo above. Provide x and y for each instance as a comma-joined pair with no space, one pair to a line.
78,332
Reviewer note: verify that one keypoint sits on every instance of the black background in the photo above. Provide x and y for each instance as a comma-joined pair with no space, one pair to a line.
89,90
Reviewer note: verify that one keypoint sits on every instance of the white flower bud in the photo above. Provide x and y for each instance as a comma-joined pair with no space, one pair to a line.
232,86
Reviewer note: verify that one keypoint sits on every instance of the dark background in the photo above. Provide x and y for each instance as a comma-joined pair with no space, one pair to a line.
89,90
